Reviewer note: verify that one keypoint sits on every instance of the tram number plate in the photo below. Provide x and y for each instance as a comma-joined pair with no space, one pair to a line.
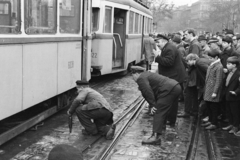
94,55
70,64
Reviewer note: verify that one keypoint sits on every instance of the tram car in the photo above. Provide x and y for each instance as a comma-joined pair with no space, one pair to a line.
44,48
118,30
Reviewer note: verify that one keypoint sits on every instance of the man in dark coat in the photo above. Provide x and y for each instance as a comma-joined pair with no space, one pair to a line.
170,65
194,46
160,92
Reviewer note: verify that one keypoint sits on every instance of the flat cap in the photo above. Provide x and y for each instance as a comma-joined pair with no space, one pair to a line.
229,31
227,39
161,36
65,152
233,59
176,38
212,40
238,36
213,53
137,69
202,37
79,82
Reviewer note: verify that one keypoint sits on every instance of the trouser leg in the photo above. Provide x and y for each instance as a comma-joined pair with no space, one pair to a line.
187,100
235,110
100,116
163,107
214,107
229,115
194,93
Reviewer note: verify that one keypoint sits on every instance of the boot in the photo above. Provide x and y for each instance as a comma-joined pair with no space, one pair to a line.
233,130
227,128
206,124
111,132
154,139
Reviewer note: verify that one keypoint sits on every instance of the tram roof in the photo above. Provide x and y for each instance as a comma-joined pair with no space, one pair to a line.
133,4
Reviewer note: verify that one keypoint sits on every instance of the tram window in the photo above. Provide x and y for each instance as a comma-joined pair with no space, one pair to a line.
40,16
70,16
108,20
140,24
95,19
136,23
10,17
131,22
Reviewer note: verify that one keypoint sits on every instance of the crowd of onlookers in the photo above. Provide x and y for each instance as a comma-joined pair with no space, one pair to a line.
212,85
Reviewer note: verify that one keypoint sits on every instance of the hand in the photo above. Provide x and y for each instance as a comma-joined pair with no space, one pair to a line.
214,95
225,70
68,113
233,93
153,110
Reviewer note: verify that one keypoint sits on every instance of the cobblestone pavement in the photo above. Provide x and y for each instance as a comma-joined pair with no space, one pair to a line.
120,94
226,146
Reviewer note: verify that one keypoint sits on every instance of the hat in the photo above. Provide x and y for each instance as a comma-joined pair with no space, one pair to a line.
79,82
233,59
137,69
177,39
65,152
161,36
212,40
213,53
227,39
202,37
238,36
229,31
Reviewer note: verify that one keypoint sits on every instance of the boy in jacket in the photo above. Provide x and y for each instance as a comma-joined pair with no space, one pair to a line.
232,92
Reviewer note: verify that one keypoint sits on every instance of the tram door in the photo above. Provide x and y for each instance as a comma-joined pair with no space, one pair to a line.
119,33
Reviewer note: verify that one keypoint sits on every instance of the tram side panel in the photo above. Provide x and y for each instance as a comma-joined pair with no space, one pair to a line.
39,73
133,49
69,65
11,80
102,49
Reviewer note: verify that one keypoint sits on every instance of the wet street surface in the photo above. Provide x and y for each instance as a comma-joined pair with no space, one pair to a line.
121,93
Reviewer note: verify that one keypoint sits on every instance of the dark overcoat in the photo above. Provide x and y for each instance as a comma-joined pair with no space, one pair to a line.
154,86
233,85
170,63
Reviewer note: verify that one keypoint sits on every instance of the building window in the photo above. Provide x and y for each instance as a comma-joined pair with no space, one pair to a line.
10,18
70,13
108,20
40,17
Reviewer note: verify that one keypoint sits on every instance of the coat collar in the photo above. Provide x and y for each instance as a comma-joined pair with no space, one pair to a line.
234,76
215,62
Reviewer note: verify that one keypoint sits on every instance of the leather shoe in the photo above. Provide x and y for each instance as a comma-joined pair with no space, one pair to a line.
111,132
227,128
237,133
205,119
154,140
233,130
206,124
184,115
211,127
86,133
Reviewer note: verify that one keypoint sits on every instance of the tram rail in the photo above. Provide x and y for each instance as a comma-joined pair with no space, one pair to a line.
19,125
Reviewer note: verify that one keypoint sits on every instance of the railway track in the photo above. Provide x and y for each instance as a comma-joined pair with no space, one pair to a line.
32,118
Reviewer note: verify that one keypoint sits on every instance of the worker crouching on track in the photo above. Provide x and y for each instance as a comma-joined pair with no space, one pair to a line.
93,111
160,92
